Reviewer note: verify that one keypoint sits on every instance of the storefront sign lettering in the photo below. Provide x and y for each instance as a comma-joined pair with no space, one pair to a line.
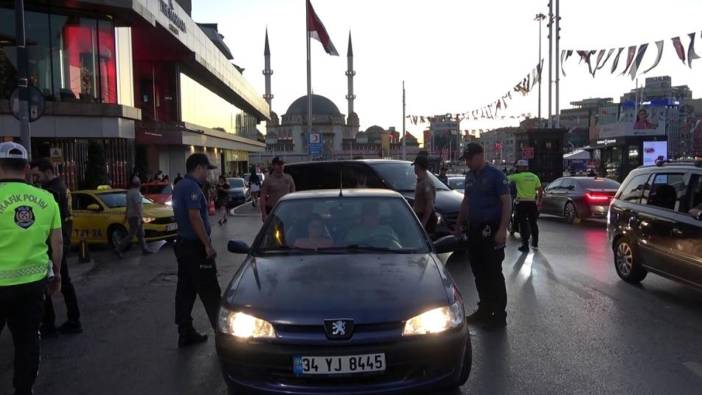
168,10
605,142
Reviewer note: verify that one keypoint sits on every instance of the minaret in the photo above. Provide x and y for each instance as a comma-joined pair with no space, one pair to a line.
268,72
349,75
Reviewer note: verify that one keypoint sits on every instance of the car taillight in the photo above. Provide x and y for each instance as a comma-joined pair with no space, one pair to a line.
597,198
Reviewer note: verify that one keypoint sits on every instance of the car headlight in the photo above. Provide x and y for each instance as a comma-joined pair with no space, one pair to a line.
169,203
148,219
435,321
244,326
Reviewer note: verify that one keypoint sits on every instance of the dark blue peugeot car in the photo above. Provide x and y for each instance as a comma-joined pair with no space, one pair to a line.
342,292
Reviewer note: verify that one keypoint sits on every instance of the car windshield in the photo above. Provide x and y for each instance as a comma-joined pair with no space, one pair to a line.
598,183
342,225
457,183
118,199
157,189
235,182
400,176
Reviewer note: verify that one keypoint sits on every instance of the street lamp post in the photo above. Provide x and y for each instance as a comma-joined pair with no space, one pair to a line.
540,17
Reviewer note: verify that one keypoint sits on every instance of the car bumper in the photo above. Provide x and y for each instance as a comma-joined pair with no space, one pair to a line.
597,211
159,232
413,364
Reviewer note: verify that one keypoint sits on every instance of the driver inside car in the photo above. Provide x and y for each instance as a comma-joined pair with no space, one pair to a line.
370,231
316,235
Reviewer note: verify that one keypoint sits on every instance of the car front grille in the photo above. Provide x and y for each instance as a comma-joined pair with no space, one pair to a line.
164,221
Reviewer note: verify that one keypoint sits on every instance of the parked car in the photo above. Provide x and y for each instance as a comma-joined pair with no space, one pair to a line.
579,198
377,173
98,217
158,191
457,183
238,191
329,300
655,225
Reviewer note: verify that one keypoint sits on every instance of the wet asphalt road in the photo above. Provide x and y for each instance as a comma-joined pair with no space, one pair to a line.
573,326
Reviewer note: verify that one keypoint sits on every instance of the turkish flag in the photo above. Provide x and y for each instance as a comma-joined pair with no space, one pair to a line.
316,30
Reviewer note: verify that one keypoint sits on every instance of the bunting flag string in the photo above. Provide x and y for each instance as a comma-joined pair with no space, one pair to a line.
493,109
598,59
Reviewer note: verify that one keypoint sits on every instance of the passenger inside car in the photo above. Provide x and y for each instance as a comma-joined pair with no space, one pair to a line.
370,230
664,196
317,237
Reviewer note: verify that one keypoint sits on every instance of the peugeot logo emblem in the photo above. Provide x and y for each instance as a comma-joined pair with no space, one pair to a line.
338,328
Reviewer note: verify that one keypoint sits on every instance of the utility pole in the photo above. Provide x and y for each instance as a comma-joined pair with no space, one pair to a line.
550,60
22,79
540,18
404,137
558,68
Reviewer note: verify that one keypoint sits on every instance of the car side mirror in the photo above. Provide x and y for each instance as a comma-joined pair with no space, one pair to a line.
238,247
446,244
93,207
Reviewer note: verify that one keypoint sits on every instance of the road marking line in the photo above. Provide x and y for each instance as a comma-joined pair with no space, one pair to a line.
695,367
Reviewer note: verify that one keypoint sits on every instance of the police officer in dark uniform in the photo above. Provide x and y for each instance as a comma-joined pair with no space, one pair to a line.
197,272
487,206
43,171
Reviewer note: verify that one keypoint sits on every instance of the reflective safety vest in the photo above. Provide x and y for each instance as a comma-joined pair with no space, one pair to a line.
27,217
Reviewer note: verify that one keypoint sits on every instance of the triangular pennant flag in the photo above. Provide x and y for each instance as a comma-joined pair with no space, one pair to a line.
600,55
601,63
616,59
564,57
679,48
691,55
637,63
498,105
659,45
504,103
629,58
509,94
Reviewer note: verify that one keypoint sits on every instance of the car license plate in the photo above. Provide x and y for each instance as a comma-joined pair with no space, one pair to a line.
346,364
171,227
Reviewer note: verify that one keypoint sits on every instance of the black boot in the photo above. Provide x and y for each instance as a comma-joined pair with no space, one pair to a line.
478,316
188,337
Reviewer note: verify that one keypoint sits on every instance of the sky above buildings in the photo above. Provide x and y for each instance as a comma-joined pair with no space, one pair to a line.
455,55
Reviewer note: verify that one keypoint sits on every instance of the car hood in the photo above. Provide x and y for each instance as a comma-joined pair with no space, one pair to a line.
446,201
241,189
304,290
157,210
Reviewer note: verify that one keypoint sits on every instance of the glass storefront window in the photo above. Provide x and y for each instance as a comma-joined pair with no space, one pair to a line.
70,58
202,107
107,62
8,52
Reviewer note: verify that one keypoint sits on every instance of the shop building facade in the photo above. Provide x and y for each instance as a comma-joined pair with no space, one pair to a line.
139,79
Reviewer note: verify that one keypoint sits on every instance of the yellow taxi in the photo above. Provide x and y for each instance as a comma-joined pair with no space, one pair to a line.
98,217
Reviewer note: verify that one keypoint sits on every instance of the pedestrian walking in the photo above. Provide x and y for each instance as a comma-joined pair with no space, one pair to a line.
442,175
222,198
528,200
254,186
29,218
197,271
424,195
275,186
134,217
487,206
177,179
43,171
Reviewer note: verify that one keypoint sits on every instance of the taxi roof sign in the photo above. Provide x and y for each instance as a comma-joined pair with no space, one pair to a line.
104,187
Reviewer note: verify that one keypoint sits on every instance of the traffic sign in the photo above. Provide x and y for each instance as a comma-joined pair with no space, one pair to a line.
315,144
36,103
